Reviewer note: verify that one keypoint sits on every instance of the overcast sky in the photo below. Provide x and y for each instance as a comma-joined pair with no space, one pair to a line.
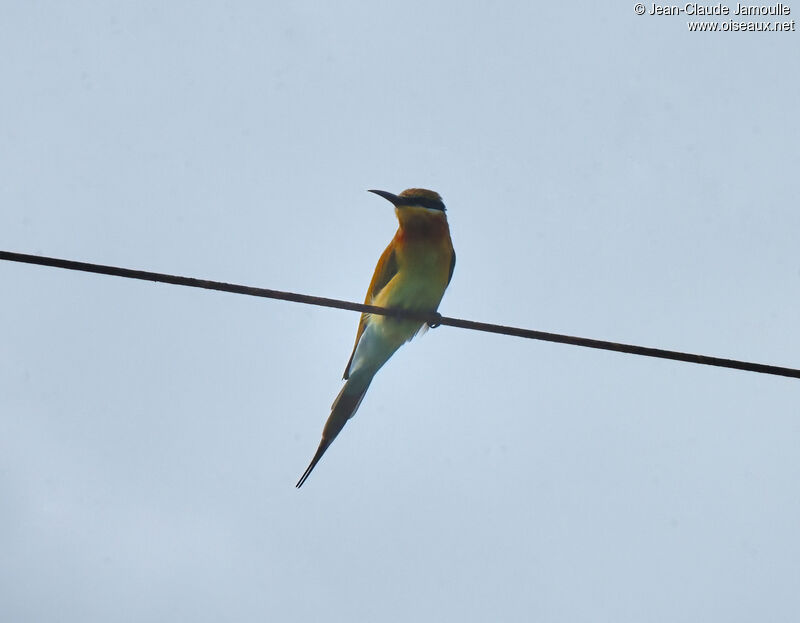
606,175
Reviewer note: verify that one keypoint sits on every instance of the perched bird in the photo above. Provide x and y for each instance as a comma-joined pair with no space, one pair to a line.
412,274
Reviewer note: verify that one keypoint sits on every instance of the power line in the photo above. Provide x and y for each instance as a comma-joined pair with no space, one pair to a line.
433,319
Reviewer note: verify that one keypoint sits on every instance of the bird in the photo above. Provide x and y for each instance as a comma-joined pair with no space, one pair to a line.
412,274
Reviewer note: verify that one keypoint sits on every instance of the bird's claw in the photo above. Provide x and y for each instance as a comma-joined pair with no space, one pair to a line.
437,321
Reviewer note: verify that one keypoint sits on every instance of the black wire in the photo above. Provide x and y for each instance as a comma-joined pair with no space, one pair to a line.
431,318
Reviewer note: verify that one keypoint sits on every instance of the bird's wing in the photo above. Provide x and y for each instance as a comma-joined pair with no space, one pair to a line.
452,267
384,271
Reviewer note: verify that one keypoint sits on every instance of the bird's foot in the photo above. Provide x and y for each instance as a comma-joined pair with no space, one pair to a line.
437,321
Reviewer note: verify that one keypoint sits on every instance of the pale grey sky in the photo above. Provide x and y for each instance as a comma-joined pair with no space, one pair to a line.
606,175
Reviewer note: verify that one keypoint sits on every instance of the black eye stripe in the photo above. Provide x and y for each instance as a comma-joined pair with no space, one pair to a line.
423,202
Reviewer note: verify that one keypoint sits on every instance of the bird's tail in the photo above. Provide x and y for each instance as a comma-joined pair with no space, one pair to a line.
343,408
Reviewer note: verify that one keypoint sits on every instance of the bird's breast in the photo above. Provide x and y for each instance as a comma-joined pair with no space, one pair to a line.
421,279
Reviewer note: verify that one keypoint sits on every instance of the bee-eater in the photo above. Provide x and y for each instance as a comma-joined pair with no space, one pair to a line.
412,274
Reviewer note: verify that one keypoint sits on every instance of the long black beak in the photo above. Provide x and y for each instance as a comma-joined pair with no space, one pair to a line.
388,196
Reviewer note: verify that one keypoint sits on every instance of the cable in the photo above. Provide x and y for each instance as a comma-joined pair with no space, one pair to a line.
434,319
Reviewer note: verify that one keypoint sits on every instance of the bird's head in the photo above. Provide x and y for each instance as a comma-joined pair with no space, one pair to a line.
414,198
418,209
